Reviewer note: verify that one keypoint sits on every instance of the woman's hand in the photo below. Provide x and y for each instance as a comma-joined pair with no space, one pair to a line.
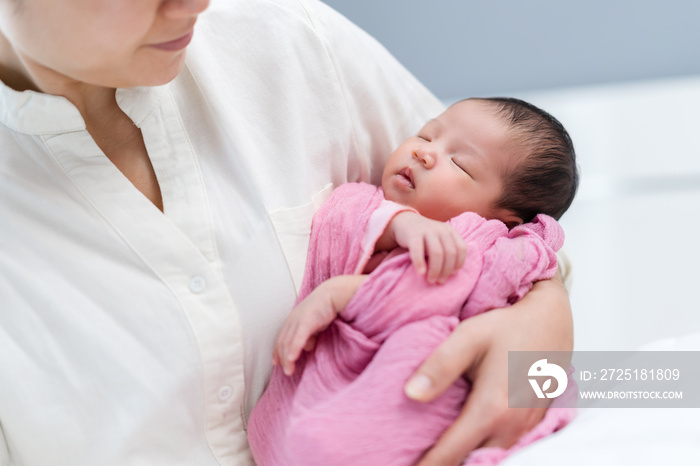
478,349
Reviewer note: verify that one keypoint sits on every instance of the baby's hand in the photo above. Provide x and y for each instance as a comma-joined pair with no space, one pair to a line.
299,331
437,241
311,316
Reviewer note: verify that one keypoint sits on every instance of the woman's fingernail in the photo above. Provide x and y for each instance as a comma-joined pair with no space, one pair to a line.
417,386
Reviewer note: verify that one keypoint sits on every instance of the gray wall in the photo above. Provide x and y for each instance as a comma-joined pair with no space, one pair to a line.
461,48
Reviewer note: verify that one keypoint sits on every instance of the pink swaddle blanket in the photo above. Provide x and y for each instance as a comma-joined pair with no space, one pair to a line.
345,403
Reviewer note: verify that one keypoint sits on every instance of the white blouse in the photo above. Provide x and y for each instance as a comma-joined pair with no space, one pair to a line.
134,337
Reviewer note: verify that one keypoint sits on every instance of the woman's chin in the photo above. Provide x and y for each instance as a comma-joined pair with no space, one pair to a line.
156,74
165,75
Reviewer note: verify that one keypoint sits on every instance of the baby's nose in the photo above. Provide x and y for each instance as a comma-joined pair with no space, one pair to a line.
427,159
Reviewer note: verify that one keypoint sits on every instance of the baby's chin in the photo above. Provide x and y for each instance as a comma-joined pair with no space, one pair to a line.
391,195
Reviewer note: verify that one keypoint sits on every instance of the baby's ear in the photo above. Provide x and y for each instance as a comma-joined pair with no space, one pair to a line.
513,224
509,218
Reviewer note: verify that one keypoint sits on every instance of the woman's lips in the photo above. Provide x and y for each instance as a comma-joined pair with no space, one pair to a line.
175,45
405,176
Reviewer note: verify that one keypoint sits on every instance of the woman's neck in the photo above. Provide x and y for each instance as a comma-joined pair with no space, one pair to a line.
12,72
111,129
23,74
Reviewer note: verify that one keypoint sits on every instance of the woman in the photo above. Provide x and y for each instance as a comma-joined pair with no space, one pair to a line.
155,218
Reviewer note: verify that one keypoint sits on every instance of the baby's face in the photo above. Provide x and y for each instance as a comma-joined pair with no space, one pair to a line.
454,164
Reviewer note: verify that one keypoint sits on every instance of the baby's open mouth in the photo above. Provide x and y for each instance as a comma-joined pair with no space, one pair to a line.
407,176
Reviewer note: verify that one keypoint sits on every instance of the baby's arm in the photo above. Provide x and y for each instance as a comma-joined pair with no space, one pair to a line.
423,237
514,263
312,315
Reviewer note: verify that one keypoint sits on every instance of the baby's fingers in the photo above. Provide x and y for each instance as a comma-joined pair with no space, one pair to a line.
455,253
461,246
302,339
436,258
416,251
280,350
450,257
311,343
290,342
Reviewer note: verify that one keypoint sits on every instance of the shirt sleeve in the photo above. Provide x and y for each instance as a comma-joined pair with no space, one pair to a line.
565,269
378,222
383,99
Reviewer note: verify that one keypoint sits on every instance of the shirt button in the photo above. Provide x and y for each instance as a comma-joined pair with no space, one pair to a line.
225,392
197,284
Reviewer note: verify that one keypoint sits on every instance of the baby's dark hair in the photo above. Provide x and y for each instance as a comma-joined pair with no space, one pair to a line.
546,179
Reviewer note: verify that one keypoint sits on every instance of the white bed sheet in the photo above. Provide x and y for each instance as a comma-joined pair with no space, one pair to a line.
622,436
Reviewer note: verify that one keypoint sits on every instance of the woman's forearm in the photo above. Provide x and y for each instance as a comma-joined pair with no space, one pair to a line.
548,305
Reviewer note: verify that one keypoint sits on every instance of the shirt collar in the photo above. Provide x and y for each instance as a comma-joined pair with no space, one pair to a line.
36,113
139,102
